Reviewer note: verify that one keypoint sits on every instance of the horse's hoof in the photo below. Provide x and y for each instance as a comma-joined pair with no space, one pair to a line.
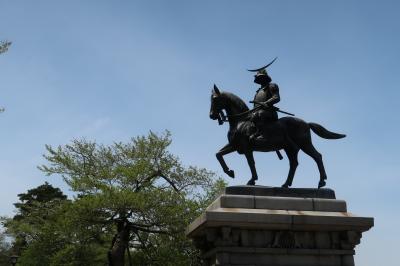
285,185
251,182
321,184
231,173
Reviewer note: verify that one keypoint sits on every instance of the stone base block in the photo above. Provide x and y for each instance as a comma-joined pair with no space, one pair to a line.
278,257
266,226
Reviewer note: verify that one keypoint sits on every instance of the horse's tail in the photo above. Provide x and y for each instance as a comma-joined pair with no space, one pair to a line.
324,133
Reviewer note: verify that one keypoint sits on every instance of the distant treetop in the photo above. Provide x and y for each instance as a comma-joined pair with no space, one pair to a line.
4,45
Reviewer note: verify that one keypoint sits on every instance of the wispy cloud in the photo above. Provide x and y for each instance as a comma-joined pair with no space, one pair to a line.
95,127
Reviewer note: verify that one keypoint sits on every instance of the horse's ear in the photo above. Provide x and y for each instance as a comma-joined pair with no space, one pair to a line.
216,90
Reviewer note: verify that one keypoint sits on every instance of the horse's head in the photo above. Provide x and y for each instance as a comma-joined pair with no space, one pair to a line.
217,104
229,102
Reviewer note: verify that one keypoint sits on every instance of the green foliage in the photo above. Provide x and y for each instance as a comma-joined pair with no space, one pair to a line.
37,207
5,250
31,201
4,45
46,232
139,182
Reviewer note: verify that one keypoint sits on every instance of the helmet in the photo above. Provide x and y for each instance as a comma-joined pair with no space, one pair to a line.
262,72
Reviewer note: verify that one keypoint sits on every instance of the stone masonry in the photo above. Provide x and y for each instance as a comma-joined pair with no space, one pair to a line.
265,226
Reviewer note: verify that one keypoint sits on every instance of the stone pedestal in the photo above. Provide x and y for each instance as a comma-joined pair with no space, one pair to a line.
254,225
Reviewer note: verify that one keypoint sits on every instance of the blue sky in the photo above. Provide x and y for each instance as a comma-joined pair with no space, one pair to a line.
110,70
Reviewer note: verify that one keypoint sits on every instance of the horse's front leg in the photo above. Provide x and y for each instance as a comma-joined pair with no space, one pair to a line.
252,165
220,156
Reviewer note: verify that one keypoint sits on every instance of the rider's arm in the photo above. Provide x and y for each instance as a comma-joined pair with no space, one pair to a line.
275,98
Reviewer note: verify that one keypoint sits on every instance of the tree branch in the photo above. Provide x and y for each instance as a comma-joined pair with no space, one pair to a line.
169,181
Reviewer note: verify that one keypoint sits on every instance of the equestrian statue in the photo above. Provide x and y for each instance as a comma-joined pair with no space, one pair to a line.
259,129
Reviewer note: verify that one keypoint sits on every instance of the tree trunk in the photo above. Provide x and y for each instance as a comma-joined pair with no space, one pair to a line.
116,254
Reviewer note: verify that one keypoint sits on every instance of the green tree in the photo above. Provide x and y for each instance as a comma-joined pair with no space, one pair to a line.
136,195
35,209
42,194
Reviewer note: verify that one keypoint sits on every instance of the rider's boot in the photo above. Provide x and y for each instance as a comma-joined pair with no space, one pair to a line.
258,139
259,136
253,137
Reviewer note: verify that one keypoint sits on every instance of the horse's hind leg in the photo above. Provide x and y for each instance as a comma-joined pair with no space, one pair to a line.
313,153
292,156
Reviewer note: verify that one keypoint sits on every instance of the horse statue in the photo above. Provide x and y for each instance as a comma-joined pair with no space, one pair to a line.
288,133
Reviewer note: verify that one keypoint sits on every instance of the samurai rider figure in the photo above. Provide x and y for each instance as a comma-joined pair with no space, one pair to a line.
266,96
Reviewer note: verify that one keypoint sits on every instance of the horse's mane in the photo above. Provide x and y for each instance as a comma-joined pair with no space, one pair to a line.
236,100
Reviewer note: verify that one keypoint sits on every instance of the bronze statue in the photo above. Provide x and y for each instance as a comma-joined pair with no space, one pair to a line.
268,95
259,129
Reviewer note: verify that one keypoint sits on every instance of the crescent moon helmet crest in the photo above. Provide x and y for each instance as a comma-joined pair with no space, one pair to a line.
262,69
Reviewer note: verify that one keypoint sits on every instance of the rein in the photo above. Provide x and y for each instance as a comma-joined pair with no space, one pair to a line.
225,118
245,112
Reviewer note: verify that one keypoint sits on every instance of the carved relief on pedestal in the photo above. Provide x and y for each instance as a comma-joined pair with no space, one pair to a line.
284,239
235,237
